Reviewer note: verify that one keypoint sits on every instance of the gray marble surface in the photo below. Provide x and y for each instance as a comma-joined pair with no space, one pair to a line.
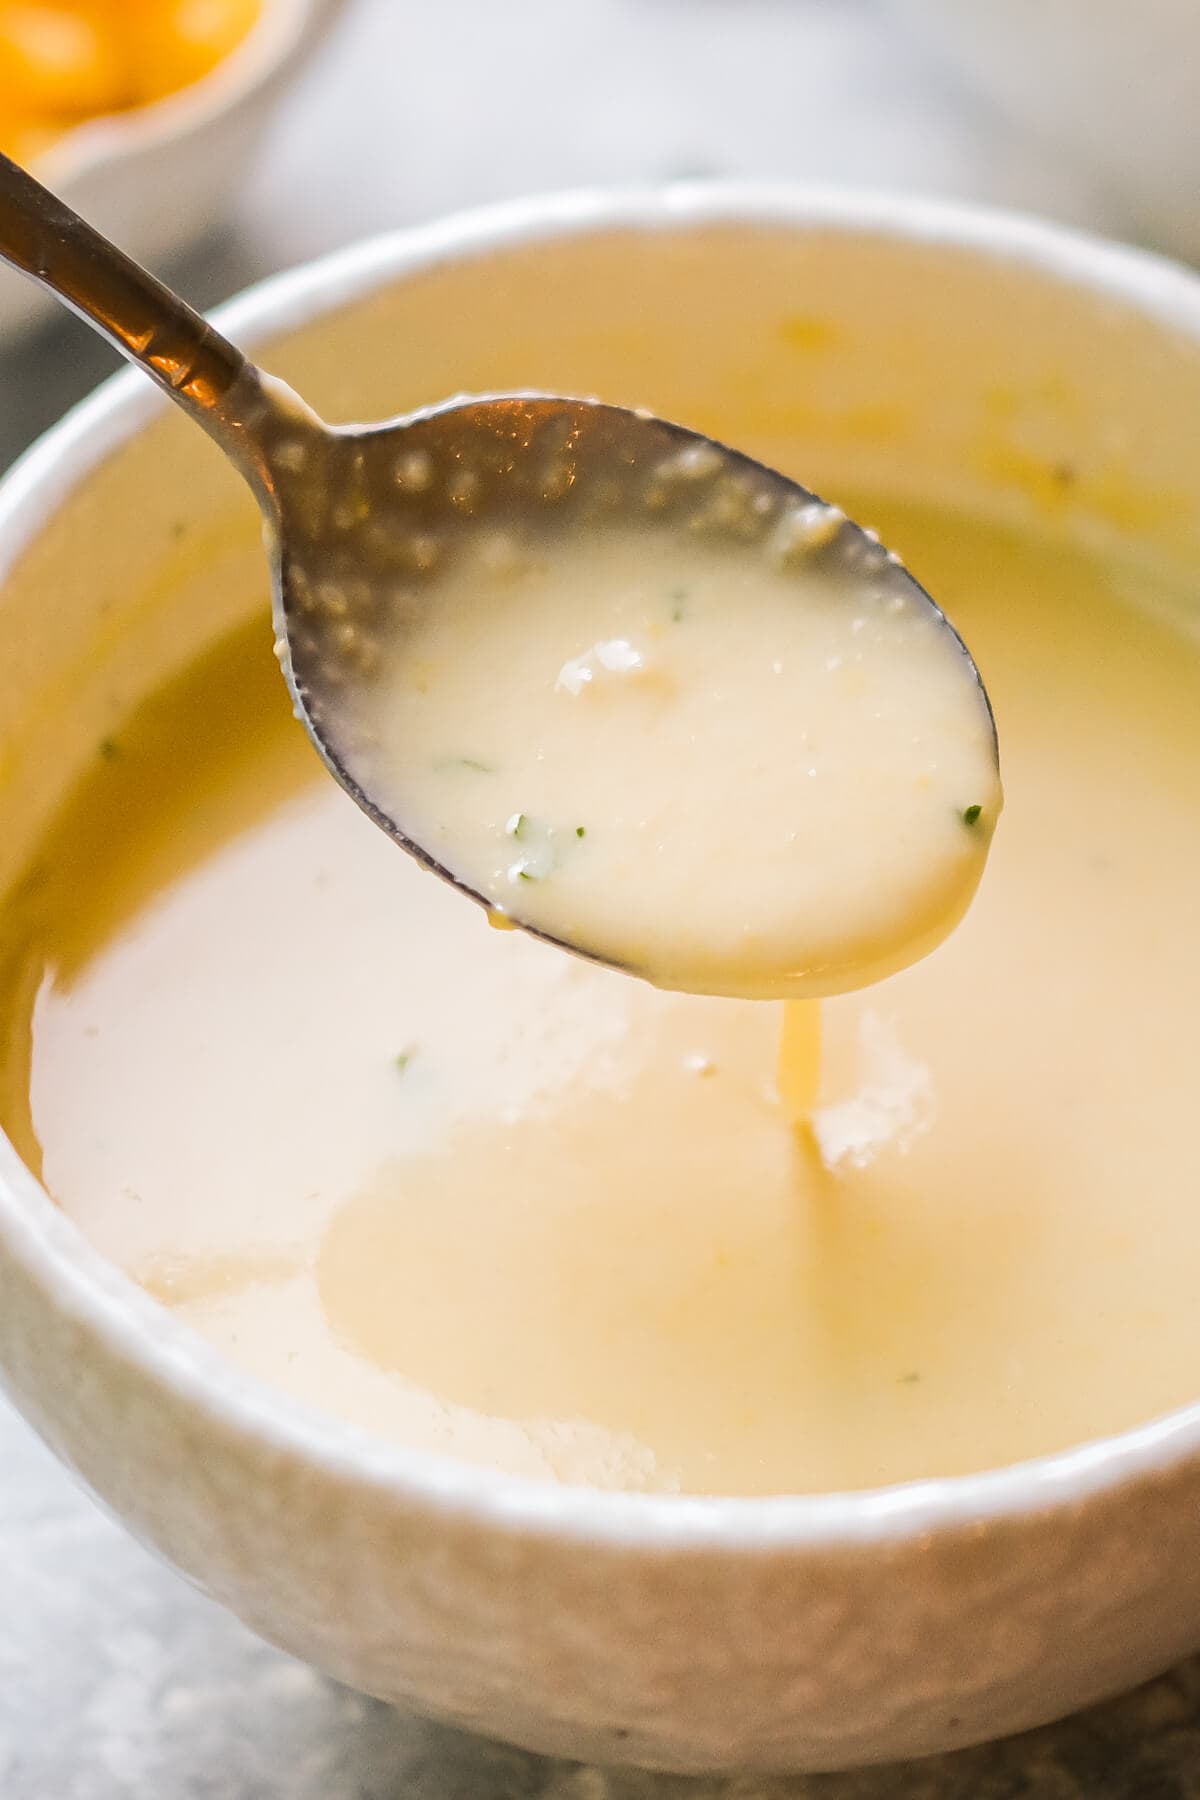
116,1679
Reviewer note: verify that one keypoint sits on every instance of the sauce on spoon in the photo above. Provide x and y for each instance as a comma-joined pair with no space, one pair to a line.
722,740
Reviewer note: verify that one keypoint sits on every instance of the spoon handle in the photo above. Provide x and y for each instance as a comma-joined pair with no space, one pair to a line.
202,371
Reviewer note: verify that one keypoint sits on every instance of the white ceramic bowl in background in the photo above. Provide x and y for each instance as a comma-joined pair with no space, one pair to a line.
946,352
1115,86
159,176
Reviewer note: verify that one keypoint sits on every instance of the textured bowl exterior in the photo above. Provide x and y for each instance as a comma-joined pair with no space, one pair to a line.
681,1633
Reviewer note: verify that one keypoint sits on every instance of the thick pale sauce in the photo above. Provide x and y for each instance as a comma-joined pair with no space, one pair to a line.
731,769
486,1198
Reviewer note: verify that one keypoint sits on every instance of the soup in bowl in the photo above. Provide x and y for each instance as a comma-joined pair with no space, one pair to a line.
473,1321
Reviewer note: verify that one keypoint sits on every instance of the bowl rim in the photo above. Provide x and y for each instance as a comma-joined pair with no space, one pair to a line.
280,34
83,1285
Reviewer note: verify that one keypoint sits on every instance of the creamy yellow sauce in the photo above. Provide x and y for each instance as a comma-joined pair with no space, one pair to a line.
798,1064
745,769
485,1198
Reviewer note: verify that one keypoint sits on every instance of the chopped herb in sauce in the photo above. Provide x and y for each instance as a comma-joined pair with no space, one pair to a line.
971,814
527,875
402,1059
679,598
580,831
444,763
516,825
109,749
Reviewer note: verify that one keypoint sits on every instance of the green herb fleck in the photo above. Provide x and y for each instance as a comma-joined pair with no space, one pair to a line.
402,1059
971,814
580,831
679,597
109,749
516,825
527,875
444,763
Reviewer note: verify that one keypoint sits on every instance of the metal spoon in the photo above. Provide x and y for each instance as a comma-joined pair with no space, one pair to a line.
354,513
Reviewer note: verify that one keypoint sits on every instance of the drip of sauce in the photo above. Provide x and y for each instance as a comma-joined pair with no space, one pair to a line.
798,1071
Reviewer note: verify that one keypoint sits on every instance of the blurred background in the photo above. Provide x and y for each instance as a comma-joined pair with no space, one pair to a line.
324,120
386,112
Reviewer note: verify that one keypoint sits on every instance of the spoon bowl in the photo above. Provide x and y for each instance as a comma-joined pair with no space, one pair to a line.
362,525
369,520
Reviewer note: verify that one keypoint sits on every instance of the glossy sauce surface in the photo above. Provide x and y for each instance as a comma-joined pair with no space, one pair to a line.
760,769
482,1197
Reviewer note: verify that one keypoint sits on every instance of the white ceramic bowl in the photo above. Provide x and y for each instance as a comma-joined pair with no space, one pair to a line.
1115,87
158,177
687,1633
